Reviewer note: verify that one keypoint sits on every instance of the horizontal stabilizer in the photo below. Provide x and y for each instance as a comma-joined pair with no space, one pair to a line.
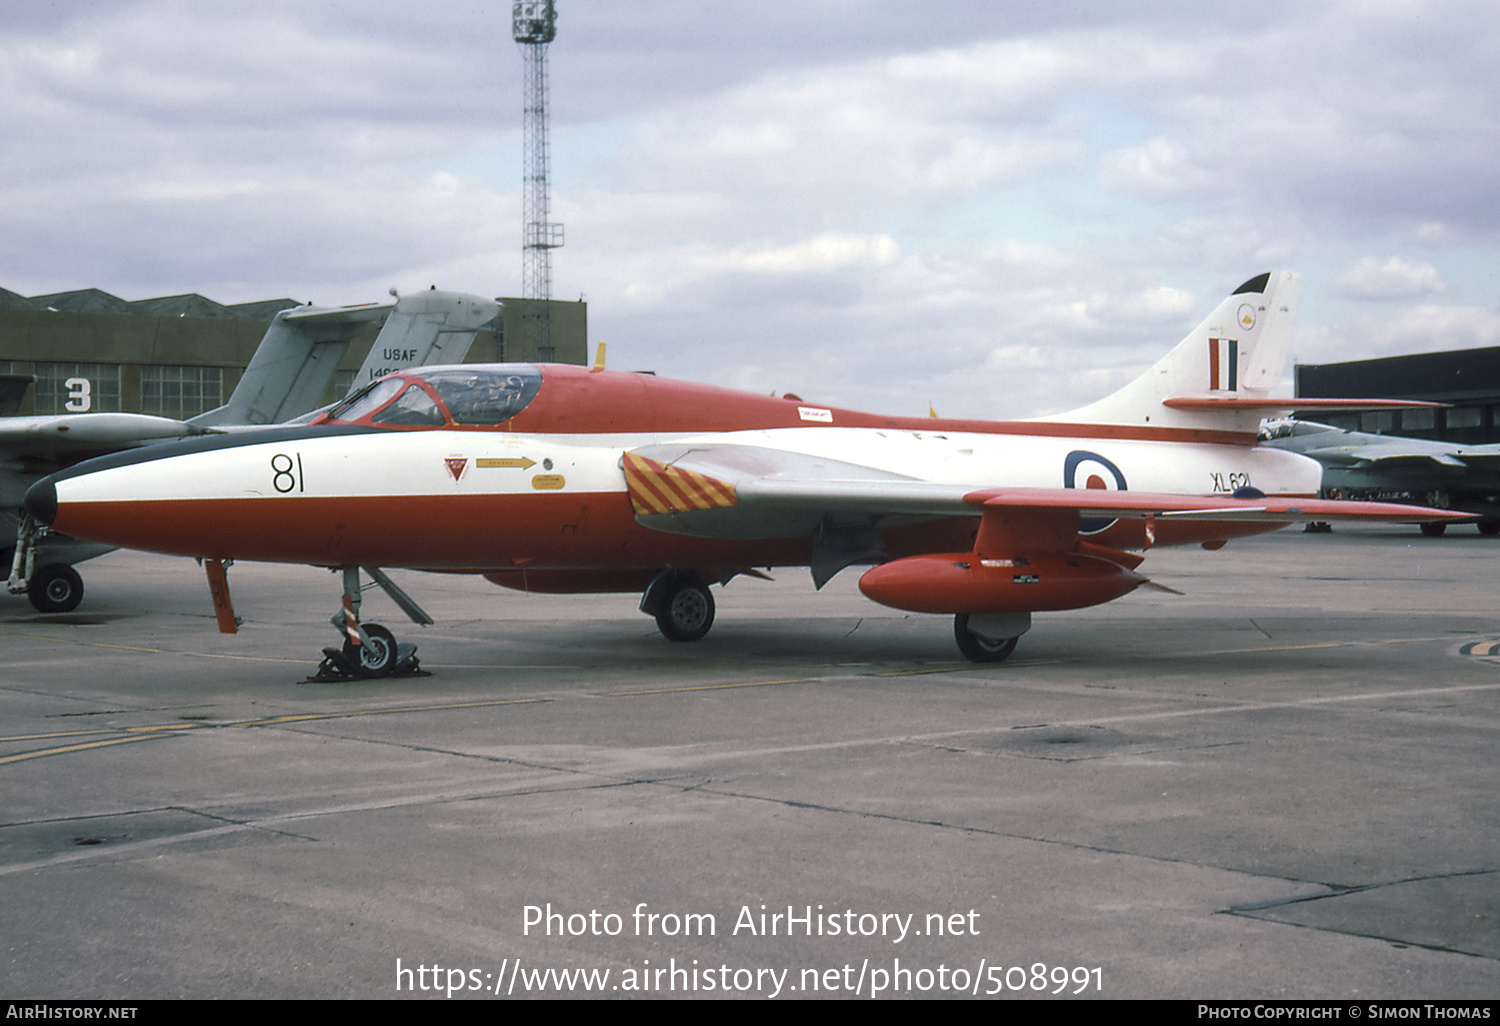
356,313
1266,406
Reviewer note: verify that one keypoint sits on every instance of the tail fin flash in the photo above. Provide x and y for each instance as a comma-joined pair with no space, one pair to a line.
1220,377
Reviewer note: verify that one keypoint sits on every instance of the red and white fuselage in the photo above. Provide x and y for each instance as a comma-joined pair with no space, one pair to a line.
561,478
480,500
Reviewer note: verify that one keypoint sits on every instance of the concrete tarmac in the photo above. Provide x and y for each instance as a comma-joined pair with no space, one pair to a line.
1281,784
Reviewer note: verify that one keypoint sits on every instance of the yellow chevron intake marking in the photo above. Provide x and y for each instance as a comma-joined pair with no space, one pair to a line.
655,487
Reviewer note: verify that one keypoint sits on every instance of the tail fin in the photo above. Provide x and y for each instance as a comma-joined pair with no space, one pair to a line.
1220,377
293,364
426,328
12,390
301,350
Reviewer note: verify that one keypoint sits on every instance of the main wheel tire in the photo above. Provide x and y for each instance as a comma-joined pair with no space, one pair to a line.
1432,530
977,648
1489,527
688,612
378,658
55,588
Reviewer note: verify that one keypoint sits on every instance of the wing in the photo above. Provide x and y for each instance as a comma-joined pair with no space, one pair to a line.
72,436
1417,451
729,491
744,491
1335,447
748,491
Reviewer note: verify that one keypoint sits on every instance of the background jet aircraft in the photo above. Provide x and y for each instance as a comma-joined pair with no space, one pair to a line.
562,479
1390,468
286,379
12,390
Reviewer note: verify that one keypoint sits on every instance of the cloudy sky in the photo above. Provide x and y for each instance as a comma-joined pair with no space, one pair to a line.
1001,208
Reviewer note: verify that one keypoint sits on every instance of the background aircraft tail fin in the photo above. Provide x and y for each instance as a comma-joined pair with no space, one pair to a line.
1221,375
426,328
296,359
12,390
293,364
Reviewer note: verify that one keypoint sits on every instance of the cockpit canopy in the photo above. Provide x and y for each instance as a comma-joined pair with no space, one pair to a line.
466,395
1288,427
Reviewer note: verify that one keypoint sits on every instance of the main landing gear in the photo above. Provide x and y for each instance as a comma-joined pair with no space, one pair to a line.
1489,527
684,611
370,650
40,566
681,603
991,638
55,588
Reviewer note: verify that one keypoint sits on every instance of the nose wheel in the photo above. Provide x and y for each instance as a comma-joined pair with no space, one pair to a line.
370,651
377,655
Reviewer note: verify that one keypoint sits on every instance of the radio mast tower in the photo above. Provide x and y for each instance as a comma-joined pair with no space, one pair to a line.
534,24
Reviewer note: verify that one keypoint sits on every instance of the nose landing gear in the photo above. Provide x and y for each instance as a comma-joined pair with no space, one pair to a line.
370,651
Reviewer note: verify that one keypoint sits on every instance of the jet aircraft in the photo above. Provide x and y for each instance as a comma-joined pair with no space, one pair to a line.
567,479
285,380
1390,468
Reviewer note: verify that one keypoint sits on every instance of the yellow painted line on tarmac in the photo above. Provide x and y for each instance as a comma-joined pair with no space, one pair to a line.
1271,648
145,733
152,729
154,651
39,753
38,637
85,644
56,734
303,717
248,659
961,668
711,687
1320,644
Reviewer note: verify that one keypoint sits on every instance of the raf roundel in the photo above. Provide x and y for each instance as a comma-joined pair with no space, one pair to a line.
1083,469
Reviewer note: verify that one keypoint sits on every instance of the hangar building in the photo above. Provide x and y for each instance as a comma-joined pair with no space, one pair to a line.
178,356
1467,379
